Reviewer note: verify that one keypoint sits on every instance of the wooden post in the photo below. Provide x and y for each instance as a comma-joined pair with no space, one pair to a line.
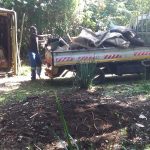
19,47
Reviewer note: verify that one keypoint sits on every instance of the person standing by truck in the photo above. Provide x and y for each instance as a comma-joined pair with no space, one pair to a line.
34,55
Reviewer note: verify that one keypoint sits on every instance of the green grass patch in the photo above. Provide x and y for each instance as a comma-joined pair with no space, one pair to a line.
32,88
128,89
147,147
25,70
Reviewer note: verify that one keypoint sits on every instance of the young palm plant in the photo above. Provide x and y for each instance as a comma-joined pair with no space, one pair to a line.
70,141
85,73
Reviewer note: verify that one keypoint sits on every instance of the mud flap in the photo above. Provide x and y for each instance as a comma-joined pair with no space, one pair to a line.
100,76
146,64
53,72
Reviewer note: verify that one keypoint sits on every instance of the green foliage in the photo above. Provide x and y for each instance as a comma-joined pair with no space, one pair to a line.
25,70
59,17
54,17
101,14
126,144
142,6
63,121
147,147
85,73
130,89
142,88
88,20
28,89
65,127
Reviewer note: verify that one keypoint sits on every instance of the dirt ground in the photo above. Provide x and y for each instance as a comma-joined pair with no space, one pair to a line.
96,120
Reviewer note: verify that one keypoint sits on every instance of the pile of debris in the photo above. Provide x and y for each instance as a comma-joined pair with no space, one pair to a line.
119,36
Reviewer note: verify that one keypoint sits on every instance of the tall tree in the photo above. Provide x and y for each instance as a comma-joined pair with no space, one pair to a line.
53,16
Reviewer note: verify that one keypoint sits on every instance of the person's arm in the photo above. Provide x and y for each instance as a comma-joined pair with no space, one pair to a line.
42,35
41,38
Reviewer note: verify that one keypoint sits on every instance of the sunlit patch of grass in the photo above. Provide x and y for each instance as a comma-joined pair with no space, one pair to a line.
13,96
123,132
128,89
25,90
142,88
2,99
147,147
33,88
24,70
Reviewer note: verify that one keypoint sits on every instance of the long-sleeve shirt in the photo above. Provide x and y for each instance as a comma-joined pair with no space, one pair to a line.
33,43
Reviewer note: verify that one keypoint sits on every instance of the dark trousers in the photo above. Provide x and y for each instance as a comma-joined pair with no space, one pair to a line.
35,63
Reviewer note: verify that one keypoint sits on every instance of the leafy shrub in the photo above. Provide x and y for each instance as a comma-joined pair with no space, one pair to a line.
85,73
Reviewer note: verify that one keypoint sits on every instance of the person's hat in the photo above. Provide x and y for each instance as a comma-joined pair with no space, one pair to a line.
33,29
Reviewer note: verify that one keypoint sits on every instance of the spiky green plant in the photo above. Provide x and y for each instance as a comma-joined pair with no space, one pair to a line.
71,144
85,72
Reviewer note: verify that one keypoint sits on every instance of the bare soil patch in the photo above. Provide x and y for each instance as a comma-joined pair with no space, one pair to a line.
93,119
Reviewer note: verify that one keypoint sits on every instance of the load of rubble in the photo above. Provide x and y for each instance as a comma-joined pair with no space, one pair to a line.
119,37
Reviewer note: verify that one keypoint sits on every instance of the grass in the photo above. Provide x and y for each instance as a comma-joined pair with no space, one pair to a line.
64,123
42,87
129,89
147,147
84,77
24,70
28,88
35,88
24,90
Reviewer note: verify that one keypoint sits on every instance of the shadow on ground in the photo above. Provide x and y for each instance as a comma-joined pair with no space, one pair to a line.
92,117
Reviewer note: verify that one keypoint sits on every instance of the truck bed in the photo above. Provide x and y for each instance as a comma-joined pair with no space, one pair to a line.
101,55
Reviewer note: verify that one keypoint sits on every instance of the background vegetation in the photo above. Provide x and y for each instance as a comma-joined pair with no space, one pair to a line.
65,16
59,17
